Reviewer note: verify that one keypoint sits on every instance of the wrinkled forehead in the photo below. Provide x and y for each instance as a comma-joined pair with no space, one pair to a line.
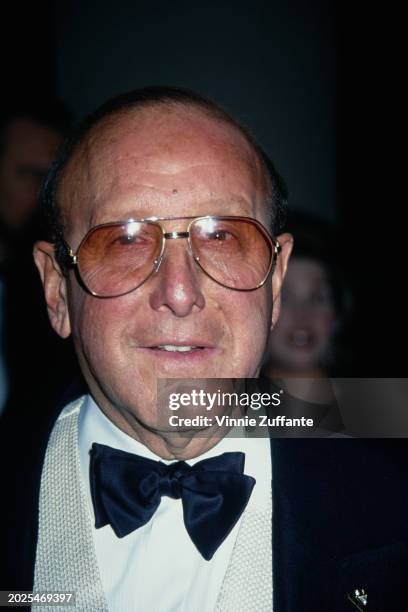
158,148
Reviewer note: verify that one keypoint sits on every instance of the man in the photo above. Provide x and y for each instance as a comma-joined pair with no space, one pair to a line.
161,265
180,161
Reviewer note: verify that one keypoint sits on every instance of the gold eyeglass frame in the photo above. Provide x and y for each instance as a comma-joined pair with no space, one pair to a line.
274,243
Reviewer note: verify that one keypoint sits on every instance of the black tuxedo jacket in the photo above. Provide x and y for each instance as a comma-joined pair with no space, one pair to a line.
340,522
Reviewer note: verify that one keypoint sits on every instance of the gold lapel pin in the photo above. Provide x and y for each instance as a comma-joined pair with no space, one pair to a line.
358,598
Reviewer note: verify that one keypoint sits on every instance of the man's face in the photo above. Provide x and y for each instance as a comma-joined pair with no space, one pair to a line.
163,163
29,151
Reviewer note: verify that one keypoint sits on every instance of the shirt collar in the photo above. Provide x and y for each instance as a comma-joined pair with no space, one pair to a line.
94,426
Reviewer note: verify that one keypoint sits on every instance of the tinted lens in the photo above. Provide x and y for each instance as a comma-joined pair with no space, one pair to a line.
115,259
236,253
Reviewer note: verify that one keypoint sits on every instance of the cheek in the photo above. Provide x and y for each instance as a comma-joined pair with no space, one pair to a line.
97,325
249,319
323,324
114,371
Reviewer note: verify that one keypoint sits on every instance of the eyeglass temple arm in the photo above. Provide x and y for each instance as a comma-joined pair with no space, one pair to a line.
72,257
65,253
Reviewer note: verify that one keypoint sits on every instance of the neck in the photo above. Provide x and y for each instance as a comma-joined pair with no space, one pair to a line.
272,371
310,385
168,444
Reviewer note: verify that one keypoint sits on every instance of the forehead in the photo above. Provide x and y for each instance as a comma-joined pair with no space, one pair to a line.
305,274
161,161
26,138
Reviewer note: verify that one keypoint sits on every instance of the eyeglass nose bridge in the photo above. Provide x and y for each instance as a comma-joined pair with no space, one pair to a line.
174,236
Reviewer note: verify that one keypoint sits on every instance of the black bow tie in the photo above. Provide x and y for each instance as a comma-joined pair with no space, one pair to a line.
126,492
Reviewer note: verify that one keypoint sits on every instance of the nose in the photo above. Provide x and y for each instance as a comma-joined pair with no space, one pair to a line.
176,286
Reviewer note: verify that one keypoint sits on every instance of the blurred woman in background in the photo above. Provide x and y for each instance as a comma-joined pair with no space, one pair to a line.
307,343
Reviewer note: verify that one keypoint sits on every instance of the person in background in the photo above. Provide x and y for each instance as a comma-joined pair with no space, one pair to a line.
307,344
307,339
30,134
29,138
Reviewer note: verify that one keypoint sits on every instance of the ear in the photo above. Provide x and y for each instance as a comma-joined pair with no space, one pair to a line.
286,243
55,287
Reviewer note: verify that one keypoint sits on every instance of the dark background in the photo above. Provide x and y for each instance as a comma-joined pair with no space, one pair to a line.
313,80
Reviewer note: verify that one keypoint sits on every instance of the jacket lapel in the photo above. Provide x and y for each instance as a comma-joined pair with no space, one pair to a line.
247,585
65,558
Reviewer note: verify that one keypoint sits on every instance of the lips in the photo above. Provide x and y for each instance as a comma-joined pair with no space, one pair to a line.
185,345
187,351
173,348
301,338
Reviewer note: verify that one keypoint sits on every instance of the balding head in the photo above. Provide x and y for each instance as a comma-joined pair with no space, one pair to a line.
158,103
164,144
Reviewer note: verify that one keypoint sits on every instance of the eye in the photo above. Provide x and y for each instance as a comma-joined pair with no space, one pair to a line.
126,239
130,239
321,298
220,235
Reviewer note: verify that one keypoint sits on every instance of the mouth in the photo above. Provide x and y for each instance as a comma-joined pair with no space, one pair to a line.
301,339
181,352
175,348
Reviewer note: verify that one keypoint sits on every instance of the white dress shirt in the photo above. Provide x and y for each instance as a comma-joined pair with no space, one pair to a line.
157,568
